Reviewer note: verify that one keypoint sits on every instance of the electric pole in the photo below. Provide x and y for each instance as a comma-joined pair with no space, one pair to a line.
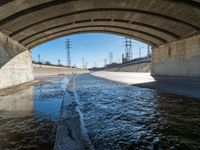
86,65
83,63
105,62
39,58
111,57
68,56
59,62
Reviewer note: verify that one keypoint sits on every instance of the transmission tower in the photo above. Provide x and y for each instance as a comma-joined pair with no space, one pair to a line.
128,49
111,57
68,56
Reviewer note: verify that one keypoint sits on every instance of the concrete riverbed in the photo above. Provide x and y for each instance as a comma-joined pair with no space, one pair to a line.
86,112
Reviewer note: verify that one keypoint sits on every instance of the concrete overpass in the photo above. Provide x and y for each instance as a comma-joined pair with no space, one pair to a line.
171,27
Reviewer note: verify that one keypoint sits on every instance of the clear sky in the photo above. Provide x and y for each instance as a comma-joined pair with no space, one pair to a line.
93,47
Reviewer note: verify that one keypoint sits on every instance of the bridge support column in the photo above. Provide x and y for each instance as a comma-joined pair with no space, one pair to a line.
15,63
180,58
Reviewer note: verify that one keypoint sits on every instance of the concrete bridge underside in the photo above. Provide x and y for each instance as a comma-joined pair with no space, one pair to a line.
171,27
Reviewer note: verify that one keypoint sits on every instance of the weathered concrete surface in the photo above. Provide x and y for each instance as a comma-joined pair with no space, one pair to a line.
180,58
154,21
17,71
71,132
141,67
46,70
174,85
15,62
9,48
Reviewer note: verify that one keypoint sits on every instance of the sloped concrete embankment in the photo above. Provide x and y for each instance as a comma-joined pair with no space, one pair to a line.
71,132
140,67
46,70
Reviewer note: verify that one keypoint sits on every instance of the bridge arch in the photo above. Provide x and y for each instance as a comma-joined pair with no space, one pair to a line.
155,22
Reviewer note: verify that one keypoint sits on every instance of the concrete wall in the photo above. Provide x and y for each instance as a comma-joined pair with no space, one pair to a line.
15,63
46,70
8,49
141,67
18,70
180,58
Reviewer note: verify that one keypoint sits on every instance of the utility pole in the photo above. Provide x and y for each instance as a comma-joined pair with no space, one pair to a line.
83,62
39,60
59,62
111,57
128,49
95,65
68,56
105,62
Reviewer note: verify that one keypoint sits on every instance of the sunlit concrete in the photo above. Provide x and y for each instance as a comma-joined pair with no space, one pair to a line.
175,85
17,71
125,77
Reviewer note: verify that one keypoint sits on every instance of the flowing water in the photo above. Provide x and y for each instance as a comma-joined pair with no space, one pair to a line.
122,117
116,116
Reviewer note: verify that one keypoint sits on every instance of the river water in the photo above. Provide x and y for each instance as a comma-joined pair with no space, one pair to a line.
116,116
122,117
28,117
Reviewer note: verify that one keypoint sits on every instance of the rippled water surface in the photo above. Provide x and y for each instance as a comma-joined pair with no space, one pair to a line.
28,117
119,116
116,116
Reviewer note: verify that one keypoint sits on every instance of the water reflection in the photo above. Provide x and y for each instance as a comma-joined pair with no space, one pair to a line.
18,101
28,117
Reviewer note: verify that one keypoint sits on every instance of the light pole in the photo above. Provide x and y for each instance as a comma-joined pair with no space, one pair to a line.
39,60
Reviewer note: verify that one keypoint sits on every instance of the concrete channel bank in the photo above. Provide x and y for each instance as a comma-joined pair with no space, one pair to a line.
174,85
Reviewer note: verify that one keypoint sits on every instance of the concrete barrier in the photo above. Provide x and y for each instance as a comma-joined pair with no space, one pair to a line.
180,58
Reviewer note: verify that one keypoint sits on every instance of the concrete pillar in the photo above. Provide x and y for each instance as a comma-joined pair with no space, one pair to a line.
180,58
15,63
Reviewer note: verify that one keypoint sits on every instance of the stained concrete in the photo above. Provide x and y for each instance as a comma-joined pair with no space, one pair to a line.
180,58
18,70
155,22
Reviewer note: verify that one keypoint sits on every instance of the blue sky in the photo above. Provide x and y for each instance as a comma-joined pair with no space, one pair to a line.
93,47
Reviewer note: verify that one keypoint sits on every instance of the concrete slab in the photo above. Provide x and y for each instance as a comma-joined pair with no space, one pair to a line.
189,87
